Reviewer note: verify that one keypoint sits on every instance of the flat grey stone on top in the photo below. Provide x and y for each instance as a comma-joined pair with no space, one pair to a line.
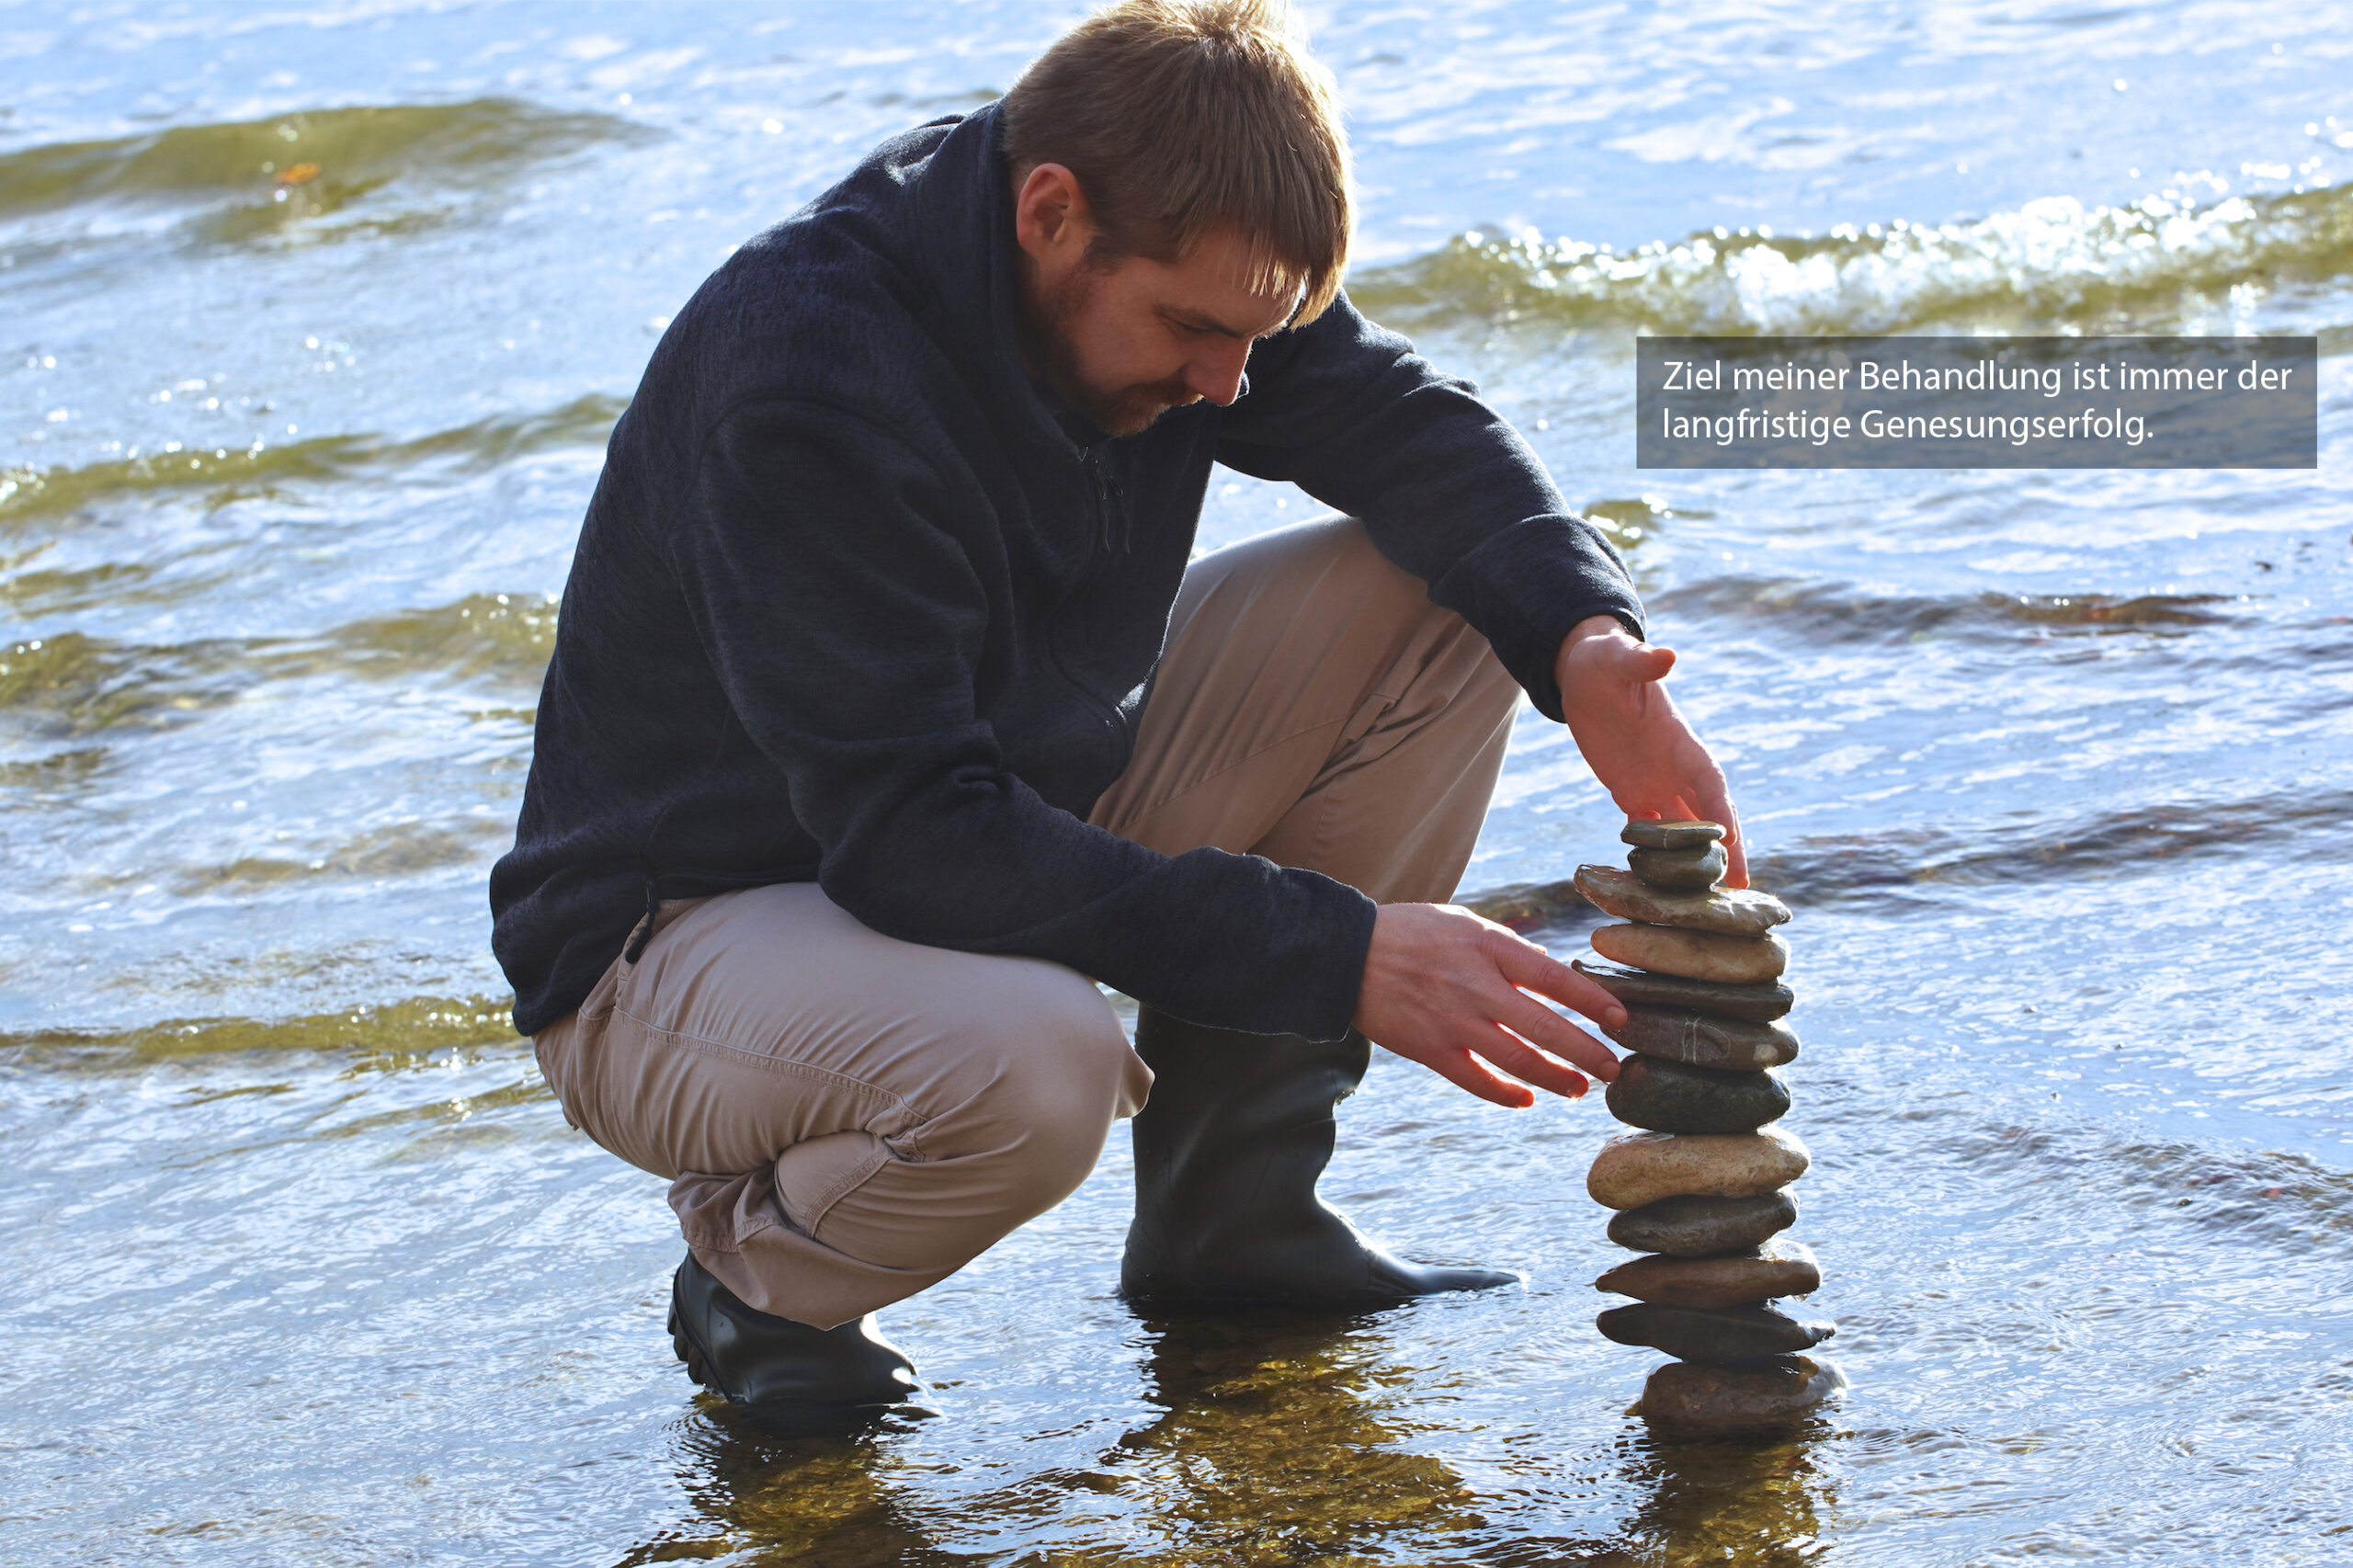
1670,834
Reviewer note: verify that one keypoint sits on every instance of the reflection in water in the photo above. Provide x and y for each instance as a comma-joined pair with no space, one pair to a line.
1277,1441
762,1500
1752,1504
1275,1446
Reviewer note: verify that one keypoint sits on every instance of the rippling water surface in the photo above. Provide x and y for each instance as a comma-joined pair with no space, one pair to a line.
312,322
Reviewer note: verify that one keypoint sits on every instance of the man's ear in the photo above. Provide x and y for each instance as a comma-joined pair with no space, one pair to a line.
1051,218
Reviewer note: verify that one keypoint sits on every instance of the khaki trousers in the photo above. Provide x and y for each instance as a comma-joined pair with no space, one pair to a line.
845,1119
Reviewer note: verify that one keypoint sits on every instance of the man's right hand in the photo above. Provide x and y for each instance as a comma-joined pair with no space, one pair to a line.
1445,988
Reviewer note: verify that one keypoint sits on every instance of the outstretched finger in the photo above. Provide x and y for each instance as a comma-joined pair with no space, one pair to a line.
1464,1071
1550,1032
1530,968
1530,1065
1716,803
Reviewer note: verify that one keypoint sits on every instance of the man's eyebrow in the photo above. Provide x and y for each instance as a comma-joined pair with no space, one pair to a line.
1201,322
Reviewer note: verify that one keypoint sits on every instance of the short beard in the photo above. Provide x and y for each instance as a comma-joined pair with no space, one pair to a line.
1129,411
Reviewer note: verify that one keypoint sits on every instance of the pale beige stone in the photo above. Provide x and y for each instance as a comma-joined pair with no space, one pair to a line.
1643,1167
1730,912
1694,955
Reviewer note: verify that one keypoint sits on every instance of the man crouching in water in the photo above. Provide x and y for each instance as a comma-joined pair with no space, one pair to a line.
887,716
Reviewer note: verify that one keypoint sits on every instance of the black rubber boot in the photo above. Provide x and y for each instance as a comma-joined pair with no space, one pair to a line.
1228,1148
792,1381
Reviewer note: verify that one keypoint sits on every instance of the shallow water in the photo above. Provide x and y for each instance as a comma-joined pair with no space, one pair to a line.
302,1263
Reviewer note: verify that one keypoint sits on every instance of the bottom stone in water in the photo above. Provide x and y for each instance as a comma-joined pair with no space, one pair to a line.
1699,1399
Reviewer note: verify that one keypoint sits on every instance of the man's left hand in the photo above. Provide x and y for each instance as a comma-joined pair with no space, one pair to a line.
1634,738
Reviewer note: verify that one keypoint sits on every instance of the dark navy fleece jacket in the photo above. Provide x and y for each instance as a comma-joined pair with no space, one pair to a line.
857,603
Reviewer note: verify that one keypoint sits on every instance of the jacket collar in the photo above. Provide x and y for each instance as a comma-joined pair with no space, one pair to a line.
960,231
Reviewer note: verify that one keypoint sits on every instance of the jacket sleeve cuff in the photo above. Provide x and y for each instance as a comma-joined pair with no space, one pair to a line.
1328,999
1525,586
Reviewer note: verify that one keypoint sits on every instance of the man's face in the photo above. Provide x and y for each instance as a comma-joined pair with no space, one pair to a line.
1126,339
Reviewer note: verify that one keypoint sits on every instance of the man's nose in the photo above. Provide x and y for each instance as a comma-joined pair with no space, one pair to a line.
1218,377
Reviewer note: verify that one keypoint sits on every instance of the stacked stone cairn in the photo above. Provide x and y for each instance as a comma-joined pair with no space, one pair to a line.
1702,1190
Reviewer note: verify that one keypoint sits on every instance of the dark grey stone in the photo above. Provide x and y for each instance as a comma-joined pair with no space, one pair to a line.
1646,988
1730,1044
1702,1227
1712,1333
1671,834
1678,871
1699,1399
1664,1096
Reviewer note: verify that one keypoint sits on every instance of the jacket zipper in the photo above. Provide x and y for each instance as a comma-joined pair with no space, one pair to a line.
1109,501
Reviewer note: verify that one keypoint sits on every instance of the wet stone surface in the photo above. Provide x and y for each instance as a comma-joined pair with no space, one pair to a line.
1700,1399
1728,911
1694,955
1664,1096
1776,1268
1702,1227
1756,1003
1678,871
1697,1040
1671,834
1718,1334
1640,1168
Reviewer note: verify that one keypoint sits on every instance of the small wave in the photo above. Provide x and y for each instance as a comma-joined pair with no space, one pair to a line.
1900,868
2282,1199
2052,263
402,849
404,1029
237,473
304,163
1840,612
71,685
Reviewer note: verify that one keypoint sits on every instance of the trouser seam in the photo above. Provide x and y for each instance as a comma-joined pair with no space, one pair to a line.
911,1135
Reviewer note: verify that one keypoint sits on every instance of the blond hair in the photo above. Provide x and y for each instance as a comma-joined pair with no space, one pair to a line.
1181,116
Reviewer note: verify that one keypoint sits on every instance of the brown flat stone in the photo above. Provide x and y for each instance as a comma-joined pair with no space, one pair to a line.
1702,1227
1694,955
1639,1168
1637,988
1671,834
1677,870
1727,1044
1778,1269
1719,1333
1727,912
1696,1399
